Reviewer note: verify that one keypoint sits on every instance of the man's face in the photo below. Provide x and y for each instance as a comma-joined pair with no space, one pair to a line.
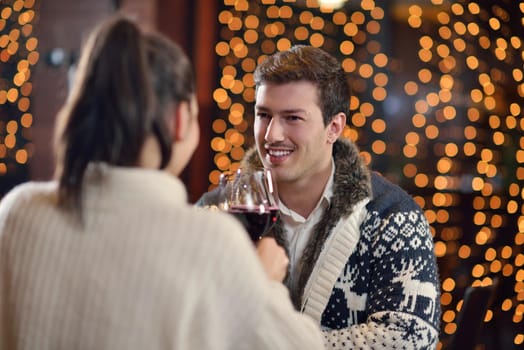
290,135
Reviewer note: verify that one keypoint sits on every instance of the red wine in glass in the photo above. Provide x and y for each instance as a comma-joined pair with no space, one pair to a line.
256,220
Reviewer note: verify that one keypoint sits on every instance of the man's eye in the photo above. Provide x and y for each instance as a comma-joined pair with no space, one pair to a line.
293,118
262,115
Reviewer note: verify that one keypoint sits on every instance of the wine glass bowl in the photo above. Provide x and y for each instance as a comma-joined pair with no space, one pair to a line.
251,198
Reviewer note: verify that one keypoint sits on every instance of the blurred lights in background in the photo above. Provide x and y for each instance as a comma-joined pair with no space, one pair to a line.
18,56
437,107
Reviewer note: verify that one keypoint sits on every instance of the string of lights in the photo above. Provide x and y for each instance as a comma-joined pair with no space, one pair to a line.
18,56
436,107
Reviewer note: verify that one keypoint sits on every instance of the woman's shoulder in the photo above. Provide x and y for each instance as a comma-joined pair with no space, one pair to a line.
29,192
22,198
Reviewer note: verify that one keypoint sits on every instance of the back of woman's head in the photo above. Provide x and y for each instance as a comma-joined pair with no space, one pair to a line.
173,81
117,101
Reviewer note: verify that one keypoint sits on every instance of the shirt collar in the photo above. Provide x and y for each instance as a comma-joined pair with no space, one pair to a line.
324,201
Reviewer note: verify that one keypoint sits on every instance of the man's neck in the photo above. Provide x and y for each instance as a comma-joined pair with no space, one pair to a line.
302,197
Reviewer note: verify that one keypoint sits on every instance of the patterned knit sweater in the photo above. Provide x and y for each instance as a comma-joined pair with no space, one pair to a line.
368,274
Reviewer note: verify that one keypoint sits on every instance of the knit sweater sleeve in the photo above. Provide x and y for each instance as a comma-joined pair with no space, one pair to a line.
401,291
241,304
282,327
273,321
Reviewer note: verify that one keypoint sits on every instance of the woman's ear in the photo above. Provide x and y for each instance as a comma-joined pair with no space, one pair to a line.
181,120
336,126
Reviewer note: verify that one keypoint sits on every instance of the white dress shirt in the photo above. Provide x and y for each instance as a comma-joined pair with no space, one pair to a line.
298,229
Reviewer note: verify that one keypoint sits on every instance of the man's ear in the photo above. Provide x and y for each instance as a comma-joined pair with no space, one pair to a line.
181,121
336,126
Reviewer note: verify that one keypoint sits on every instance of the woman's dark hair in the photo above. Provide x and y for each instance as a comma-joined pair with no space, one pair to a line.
173,81
308,63
124,82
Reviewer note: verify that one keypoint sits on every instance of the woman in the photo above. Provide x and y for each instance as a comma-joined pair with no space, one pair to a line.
110,255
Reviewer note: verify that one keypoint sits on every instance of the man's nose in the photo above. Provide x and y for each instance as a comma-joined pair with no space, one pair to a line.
275,131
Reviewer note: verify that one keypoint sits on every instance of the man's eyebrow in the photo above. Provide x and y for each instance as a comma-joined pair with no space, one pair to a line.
285,111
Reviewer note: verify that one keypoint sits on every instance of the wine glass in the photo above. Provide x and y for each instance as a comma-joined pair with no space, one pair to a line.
251,198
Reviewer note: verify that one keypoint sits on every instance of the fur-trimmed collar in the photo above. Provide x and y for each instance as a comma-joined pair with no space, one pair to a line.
352,183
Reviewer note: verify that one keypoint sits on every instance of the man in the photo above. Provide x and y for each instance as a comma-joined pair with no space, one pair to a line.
361,253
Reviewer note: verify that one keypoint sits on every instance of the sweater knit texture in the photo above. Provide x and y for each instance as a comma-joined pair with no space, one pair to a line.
143,270
368,274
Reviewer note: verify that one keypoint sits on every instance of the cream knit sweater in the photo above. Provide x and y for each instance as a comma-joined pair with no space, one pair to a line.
145,271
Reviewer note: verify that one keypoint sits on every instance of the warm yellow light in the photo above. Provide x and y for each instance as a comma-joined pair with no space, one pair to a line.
251,36
31,44
464,252
421,180
12,95
339,18
380,60
506,252
418,120
378,147
432,132
495,266
457,9
446,298
425,75
377,13
451,149
373,27
449,112
365,70
460,28
6,12
443,50
301,33
494,23
411,88
21,156
235,24
425,55
316,40
414,21
515,109
381,79
331,4
27,120
358,119
285,12
379,93
220,95
421,106
473,28
358,17
440,249
472,62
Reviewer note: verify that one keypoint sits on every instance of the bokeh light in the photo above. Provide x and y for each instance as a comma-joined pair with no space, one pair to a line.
18,56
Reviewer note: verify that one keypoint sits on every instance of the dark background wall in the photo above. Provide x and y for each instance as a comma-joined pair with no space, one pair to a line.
63,25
